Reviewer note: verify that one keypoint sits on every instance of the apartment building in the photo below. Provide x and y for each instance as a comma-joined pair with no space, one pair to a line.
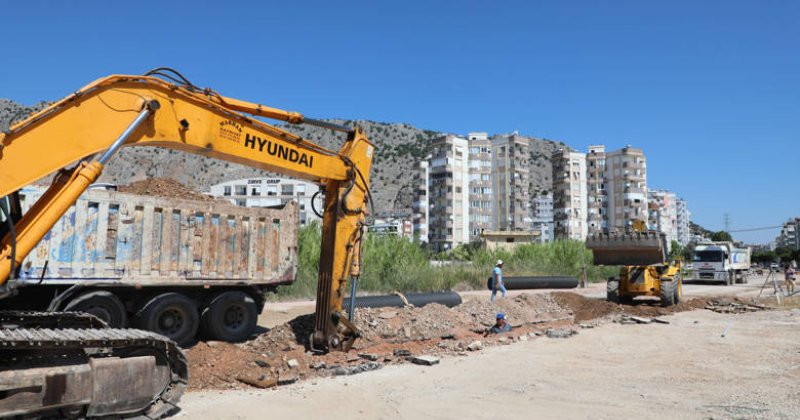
597,200
481,199
270,192
662,214
448,223
683,219
510,178
569,195
420,207
542,215
789,236
626,187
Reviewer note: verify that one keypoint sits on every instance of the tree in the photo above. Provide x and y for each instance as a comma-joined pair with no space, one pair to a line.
676,250
721,236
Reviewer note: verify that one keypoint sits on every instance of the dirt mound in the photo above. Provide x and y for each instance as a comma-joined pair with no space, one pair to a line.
389,335
585,309
162,187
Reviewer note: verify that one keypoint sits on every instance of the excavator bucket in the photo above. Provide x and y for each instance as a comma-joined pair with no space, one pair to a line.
628,249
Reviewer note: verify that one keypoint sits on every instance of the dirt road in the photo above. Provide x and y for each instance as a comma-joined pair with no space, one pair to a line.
682,370
685,369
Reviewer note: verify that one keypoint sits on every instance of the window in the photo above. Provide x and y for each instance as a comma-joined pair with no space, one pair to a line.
241,190
226,190
255,191
301,190
287,189
458,190
272,190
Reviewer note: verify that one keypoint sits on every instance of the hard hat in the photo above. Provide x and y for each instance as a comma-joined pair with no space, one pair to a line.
499,262
501,315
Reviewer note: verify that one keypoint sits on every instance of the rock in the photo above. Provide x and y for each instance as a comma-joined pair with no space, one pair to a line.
387,314
353,358
448,336
640,320
261,363
258,381
503,340
293,363
560,333
660,321
371,357
317,366
402,352
443,345
475,346
353,370
523,337
585,326
425,360
287,380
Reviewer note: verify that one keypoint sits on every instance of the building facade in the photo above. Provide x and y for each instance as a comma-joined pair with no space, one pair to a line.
271,192
683,219
542,215
510,178
569,195
420,207
481,199
448,222
662,214
626,186
789,237
597,199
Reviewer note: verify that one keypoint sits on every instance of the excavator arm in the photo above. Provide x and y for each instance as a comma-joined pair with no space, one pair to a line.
86,128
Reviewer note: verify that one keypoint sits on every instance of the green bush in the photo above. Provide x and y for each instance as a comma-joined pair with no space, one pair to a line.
391,263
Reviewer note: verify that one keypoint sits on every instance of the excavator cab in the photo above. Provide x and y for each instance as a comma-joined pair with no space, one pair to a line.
645,269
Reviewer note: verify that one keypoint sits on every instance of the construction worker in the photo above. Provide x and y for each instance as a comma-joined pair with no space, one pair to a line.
498,280
501,325
789,278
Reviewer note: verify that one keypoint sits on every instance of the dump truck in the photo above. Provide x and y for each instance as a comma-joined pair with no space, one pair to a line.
147,262
721,262
645,269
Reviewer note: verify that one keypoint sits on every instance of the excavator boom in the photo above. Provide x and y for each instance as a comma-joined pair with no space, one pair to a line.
88,127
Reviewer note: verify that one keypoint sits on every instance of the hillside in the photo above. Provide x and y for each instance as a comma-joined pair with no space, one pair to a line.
398,147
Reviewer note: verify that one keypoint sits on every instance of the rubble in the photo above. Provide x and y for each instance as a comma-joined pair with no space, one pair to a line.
425,360
163,187
475,346
560,333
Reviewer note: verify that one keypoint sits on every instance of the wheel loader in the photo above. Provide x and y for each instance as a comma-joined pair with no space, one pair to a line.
645,269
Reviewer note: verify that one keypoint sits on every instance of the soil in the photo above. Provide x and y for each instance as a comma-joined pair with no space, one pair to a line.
392,336
162,187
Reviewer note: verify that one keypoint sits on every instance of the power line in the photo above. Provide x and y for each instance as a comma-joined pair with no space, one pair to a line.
754,229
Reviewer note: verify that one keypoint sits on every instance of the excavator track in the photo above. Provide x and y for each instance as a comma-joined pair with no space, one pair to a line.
91,372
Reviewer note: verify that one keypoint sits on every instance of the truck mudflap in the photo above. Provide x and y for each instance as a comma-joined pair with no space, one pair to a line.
89,372
628,249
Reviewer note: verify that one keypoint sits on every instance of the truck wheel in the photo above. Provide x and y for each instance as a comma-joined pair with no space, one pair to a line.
231,316
730,278
102,304
612,291
172,315
668,293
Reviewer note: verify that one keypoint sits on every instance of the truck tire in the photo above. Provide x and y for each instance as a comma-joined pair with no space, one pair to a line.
172,315
612,291
731,278
231,316
102,304
668,293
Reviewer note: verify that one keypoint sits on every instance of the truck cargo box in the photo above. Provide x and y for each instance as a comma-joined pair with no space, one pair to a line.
158,241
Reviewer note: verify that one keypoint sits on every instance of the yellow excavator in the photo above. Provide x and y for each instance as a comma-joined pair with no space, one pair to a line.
72,365
645,269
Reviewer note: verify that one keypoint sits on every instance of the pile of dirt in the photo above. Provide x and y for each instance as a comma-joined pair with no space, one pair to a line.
163,187
389,336
585,309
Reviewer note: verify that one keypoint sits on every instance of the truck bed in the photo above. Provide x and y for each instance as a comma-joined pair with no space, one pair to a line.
160,241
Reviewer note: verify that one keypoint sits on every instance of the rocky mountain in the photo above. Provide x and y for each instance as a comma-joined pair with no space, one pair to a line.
398,147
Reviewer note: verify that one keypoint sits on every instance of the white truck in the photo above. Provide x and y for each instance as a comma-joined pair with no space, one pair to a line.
721,262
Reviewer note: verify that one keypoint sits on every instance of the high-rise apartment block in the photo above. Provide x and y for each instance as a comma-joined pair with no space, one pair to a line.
662,215
421,206
626,186
790,234
510,177
569,194
683,217
448,223
597,200
481,199
542,212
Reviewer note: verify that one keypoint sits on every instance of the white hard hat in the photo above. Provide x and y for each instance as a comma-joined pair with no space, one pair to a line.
499,262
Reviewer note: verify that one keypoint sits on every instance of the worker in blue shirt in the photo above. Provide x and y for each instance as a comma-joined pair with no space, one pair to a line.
498,280
501,325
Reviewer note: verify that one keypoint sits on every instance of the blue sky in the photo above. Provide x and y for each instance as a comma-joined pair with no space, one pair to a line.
710,90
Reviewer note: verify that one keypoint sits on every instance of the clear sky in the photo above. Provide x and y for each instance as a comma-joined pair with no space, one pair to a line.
709,89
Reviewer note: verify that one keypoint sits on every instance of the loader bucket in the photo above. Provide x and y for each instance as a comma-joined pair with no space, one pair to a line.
628,249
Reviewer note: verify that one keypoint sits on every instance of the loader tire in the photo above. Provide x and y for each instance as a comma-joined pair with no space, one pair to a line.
612,291
668,293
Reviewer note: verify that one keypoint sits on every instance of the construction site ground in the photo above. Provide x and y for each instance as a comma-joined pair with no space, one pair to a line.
570,356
